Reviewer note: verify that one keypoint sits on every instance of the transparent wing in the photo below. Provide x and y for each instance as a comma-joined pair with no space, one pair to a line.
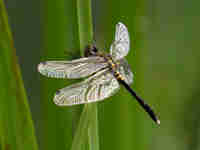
121,45
78,68
125,71
96,88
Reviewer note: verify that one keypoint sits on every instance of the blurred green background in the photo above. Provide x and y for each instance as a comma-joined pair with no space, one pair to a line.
164,57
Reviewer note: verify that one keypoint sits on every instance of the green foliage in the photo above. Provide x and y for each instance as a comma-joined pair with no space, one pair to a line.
60,37
16,126
164,57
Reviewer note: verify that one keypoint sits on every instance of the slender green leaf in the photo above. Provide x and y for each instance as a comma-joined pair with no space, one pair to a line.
60,42
86,136
16,126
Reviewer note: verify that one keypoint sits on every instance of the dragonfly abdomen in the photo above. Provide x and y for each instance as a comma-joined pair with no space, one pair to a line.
118,76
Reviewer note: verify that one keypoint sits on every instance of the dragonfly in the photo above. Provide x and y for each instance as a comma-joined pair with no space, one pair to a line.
104,71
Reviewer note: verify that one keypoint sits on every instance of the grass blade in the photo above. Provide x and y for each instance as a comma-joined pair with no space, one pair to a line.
60,41
16,126
86,136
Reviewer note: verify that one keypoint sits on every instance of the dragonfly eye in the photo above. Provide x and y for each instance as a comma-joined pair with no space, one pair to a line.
94,49
90,50
57,92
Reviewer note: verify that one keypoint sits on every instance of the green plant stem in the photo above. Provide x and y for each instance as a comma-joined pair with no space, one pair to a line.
85,23
88,125
61,37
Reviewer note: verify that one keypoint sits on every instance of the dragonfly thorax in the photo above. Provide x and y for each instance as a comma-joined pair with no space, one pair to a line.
91,50
114,66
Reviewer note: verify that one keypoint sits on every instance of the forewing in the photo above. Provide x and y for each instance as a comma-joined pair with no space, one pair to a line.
78,68
96,88
121,45
125,71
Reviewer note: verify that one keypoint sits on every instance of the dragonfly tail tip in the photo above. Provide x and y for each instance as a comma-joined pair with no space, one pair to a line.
158,122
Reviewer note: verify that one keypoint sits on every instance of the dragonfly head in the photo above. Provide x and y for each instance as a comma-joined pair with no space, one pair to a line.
90,50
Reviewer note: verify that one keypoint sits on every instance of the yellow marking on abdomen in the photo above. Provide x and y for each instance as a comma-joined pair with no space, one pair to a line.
118,76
